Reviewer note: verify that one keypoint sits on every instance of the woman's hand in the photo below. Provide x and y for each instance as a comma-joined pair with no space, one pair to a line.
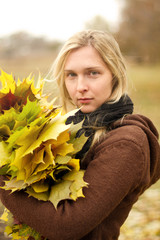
3,192
2,179
31,238
16,221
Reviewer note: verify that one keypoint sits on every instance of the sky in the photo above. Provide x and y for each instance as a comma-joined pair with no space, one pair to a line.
54,19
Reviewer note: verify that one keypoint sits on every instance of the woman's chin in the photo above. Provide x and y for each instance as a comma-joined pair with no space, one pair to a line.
86,108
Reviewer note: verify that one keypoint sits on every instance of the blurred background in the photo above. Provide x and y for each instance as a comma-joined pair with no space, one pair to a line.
32,33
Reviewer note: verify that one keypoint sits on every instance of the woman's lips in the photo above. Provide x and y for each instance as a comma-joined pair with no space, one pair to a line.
84,100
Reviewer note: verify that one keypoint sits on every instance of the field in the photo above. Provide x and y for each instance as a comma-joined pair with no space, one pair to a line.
144,85
144,88
144,220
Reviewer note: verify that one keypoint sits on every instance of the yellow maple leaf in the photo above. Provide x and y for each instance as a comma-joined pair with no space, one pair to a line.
14,185
40,195
50,131
48,159
4,216
21,175
24,167
8,230
37,177
76,177
5,156
60,191
74,163
36,86
62,138
38,89
26,141
8,82
16,236
39,187
4,130
62,159
63,149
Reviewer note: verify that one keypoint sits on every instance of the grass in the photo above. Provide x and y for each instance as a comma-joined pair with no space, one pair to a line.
144,88
22,66
143,222
144,85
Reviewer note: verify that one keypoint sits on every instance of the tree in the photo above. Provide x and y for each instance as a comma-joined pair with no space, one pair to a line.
97,23
23,44
139,30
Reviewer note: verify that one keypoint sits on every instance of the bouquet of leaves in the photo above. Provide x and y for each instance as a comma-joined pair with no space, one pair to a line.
37,148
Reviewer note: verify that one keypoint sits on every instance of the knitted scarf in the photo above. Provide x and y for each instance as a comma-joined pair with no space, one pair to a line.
102,117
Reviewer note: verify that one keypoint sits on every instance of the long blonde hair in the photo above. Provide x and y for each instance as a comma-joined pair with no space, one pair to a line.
110,52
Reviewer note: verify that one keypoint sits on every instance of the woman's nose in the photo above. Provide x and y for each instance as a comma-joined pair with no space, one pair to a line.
82,84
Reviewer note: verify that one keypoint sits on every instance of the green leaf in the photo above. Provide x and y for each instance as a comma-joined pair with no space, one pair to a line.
78,143
30,111
35,178
74,129
77,183
19,135
19,125
25,89
4,131
8,118
13,138
25,231
4,169
60,191
50,131
45,157
41,186
14,185
63,149
40,195
26,141
62,159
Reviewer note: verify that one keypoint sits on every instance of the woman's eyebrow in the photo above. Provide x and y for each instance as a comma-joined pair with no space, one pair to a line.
87,68
93,67
68,70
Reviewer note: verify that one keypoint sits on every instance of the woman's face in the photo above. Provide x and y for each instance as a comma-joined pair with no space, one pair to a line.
88,80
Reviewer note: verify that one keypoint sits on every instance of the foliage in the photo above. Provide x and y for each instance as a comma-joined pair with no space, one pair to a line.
144,88
98,23
138,33
143,222
37,148
24,44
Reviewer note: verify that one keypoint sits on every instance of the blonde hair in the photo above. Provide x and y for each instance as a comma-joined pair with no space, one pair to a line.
110,52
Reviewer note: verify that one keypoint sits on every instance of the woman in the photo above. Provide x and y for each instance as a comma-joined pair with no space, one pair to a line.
121,156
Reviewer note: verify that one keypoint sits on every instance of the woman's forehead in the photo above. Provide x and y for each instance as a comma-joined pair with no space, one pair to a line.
87,57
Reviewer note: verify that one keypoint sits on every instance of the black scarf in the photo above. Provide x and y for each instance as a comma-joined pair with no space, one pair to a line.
102,117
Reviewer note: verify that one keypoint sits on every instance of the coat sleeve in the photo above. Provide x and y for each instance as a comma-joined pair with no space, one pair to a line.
116,169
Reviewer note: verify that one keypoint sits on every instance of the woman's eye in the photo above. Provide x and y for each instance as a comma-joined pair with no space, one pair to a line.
93,73
70,74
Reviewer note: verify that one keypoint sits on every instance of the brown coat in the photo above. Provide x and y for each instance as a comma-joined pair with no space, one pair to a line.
118,170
